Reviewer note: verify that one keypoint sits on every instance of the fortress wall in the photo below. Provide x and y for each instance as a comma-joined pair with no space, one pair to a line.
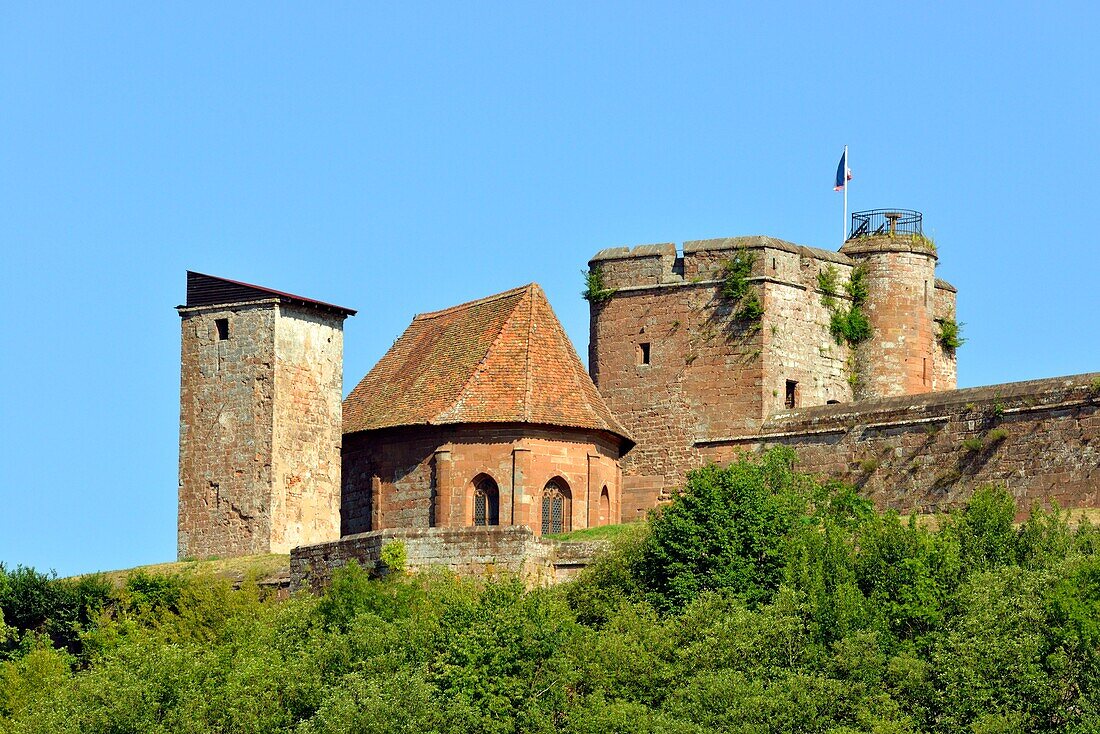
466,551
929,452
704,372
797,344
307,419
226,409
945,375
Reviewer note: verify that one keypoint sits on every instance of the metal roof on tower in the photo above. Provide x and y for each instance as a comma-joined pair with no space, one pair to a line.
210,290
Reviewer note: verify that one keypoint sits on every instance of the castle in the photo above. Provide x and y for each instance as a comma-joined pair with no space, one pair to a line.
482,415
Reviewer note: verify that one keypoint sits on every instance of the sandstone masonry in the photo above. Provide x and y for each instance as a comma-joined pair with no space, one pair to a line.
260,386
677,365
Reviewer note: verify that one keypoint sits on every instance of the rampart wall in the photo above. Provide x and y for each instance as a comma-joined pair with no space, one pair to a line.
466,551
929,452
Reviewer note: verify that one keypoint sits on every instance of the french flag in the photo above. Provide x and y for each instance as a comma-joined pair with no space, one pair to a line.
843,173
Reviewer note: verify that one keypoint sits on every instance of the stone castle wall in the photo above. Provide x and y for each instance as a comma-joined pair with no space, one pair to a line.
474,552
309,375
227,392
929,452
710,374
420,477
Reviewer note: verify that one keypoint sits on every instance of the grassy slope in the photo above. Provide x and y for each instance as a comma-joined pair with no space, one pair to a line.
236,569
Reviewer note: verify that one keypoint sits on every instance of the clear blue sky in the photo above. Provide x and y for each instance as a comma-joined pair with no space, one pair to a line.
403,157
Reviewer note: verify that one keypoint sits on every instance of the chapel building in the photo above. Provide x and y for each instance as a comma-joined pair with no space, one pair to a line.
479,415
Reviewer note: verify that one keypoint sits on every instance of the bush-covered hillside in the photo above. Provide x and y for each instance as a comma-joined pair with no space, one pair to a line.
759,601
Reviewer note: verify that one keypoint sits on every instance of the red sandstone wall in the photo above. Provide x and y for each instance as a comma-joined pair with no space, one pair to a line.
945,376
1040,439
704,372
900,274
424,476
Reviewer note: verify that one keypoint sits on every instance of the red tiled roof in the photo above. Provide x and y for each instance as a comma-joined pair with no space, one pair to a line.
500,359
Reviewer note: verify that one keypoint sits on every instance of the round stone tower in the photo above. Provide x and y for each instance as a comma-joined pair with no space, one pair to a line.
898,266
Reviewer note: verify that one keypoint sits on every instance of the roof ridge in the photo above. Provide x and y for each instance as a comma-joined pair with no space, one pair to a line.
488,350
468,304
527,354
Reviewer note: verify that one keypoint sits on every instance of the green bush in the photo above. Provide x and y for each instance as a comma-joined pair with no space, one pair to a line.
949,334
394,556
595,291
758,600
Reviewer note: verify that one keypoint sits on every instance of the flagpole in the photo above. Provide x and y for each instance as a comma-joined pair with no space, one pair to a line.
844,222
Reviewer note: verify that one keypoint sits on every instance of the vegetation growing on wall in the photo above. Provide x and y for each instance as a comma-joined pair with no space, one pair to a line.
759,600
847,324
735,273
949,334
595,290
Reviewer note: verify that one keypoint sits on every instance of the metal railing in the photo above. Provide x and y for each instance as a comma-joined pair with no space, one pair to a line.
885,222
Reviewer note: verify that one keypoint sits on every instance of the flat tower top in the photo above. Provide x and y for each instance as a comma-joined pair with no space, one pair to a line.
209,290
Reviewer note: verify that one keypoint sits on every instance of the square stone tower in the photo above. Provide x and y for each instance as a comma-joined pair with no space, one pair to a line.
260,419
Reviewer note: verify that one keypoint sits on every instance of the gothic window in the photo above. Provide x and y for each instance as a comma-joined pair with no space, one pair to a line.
486,502
555,507
605,506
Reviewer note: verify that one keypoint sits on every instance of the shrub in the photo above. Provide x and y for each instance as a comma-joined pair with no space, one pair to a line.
395,556
595,291
725,531
949,334
735,272
974,443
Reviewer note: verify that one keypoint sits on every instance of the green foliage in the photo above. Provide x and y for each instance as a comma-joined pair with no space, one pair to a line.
394,556
846,324
974,443
849,326
595,290
758,600
828,282
750,309
726,531
734,273
949,334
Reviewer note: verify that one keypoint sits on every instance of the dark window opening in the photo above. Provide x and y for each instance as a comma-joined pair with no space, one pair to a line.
486,503
791,398
555,508
832,402
223,328
643,353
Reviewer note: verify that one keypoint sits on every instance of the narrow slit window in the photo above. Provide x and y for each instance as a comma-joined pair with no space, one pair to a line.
223,328
643,353
791,398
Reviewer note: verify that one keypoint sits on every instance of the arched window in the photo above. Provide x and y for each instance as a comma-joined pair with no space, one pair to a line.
605,506
486,502
555,507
